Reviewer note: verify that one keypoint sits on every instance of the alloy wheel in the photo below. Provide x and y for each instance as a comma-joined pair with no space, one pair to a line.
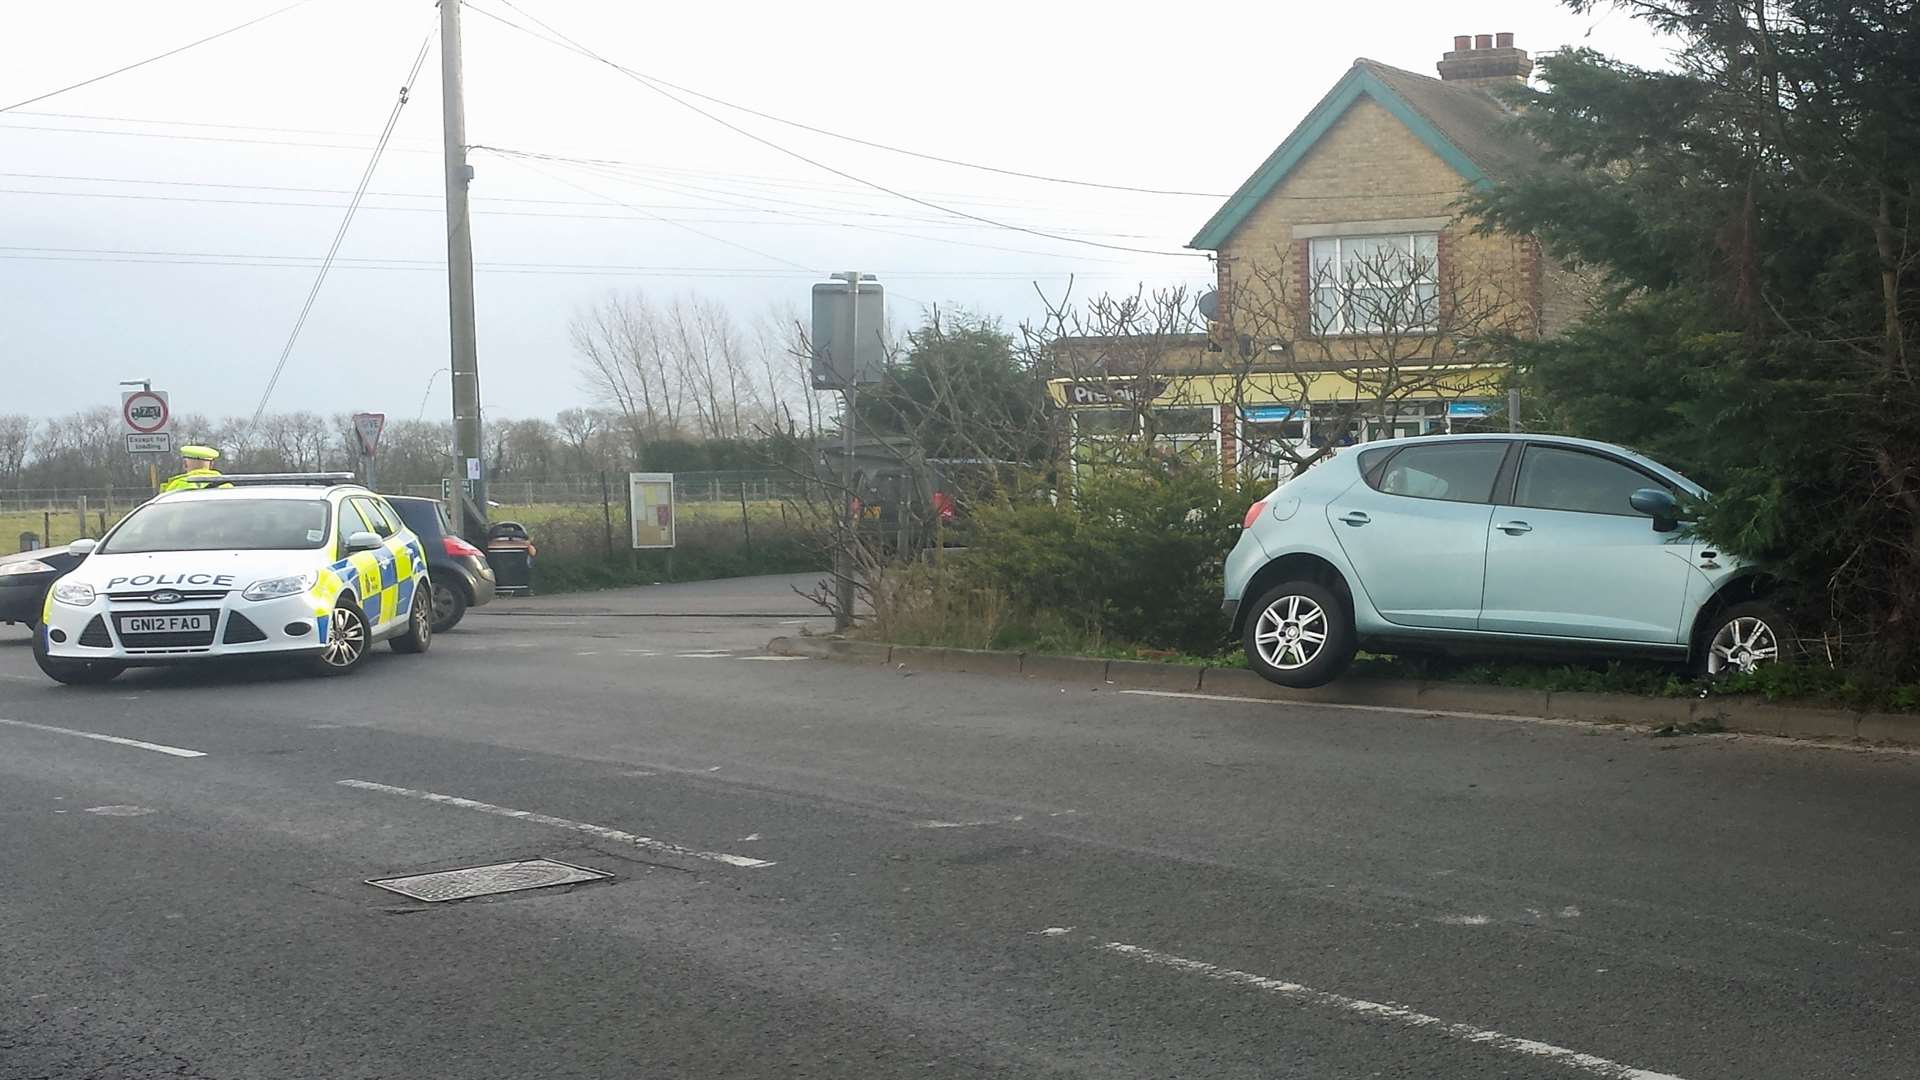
1291,632
1742,645
346,638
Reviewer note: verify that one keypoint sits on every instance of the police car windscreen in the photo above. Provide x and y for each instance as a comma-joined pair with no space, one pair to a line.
221,525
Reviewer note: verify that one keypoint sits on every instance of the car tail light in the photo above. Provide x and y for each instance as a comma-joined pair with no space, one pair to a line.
460,549
1253,514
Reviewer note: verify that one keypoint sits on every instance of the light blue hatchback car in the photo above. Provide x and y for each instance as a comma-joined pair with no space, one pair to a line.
1461,543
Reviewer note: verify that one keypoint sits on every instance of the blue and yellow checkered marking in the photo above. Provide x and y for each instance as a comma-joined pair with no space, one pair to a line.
383,580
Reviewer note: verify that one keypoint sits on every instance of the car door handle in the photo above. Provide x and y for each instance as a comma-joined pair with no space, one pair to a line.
1514,528
1355,517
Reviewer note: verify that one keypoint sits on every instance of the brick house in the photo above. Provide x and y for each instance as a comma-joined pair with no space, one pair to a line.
1349,290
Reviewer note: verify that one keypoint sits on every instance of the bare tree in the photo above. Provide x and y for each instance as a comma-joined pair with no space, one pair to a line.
1366,340
16,440
627,363
577,429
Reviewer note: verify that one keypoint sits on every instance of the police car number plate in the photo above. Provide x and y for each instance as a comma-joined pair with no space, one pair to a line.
165,624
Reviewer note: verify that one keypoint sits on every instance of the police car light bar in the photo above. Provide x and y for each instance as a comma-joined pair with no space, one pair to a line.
319,479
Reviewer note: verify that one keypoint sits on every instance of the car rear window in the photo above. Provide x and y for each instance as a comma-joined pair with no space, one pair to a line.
1449,471
421,518
221,524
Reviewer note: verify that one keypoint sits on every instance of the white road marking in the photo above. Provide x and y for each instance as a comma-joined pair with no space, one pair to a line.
967,824
119,811
639,652
773,658
703,655
1465,920
136,743
586,654
1399,1014
616,835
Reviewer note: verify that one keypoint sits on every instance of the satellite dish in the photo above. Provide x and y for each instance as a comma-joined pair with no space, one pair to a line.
1209,304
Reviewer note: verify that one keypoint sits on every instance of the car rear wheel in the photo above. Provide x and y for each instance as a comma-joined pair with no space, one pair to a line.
347,644
1299,634
419,633
72,672
1743,638
449,606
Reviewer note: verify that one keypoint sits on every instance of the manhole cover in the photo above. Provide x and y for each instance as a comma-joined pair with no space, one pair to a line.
472,881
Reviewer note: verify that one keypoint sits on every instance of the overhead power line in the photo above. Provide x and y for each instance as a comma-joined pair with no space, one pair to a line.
571,45
340,235
267,261
151,59
670,221
795,217
872,144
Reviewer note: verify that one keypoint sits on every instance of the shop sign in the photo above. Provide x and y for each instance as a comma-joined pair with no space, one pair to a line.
1115,391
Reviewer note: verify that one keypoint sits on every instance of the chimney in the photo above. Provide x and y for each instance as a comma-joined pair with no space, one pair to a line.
1485,61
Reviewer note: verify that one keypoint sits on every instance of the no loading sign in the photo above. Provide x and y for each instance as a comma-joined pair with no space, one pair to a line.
145,412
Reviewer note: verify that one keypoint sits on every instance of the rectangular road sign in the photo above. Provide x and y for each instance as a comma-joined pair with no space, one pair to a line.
158,442
652,501
849,334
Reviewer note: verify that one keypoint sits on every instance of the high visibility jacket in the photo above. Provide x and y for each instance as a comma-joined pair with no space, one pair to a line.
182,483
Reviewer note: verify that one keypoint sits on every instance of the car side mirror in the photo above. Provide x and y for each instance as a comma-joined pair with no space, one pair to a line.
83,547
363,541
1658,505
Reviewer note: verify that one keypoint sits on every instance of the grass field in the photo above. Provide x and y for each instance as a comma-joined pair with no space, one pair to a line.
56,528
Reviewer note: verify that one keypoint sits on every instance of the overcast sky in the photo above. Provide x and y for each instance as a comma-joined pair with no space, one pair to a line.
244,151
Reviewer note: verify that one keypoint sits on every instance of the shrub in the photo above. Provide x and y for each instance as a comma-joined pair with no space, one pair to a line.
1135,555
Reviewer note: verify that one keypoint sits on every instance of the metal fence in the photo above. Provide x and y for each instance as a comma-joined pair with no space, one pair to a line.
61,515
688,487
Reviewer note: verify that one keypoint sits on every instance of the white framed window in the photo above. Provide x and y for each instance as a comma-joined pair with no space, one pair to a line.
1374,284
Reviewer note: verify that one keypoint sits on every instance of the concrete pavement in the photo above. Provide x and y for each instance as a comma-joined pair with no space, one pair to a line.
969,877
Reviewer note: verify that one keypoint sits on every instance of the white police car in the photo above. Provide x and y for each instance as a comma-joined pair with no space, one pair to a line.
310,566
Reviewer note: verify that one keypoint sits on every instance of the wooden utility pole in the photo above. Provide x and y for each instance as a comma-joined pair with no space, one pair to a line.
468,446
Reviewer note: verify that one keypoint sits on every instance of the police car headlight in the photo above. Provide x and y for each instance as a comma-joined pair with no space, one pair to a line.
274,588
28,566
76,593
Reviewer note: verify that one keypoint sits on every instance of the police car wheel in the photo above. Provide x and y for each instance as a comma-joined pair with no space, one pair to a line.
347,642
73,672
449,606
419,634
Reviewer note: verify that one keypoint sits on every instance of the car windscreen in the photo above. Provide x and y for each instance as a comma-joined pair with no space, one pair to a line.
221,524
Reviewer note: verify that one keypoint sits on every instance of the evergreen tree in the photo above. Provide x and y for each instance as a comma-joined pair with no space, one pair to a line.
1750,213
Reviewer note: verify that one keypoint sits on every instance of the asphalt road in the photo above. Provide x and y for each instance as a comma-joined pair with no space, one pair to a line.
835,871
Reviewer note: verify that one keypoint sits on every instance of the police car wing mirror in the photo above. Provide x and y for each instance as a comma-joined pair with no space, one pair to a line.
362,541
83,547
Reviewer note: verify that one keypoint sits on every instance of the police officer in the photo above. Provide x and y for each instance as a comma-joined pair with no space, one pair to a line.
194,461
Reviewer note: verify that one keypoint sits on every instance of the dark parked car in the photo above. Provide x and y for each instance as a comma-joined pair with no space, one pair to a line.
461,576
25,579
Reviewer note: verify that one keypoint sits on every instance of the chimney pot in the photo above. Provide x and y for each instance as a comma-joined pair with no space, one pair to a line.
1504,41
1474,62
